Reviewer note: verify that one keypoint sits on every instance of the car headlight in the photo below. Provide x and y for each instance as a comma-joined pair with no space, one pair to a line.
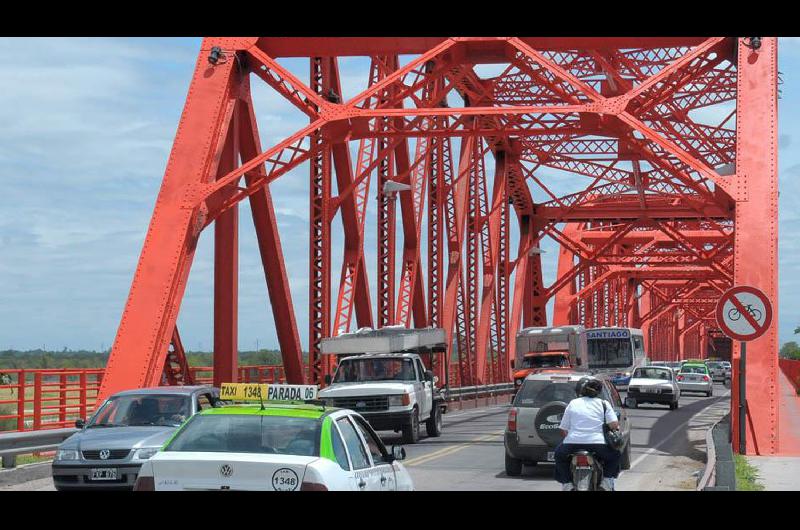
627,374
517,382
146,453
67,454
399,400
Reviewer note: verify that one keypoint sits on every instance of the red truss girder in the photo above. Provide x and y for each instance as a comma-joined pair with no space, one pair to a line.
602,145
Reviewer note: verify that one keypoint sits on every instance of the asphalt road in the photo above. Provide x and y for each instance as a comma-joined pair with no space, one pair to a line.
668,450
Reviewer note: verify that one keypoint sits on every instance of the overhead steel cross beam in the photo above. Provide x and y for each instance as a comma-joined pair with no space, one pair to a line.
650,212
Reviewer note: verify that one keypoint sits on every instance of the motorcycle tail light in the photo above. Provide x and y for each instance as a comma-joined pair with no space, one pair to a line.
512,420
582,460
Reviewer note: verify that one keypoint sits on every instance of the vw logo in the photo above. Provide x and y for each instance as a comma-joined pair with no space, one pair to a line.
226,470
104,454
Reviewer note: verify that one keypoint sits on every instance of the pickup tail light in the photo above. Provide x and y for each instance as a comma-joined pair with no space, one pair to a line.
582,460
144,484
680,378
512,420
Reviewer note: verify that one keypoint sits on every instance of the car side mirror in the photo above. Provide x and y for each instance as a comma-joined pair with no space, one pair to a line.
80,423
398,453
512,363
435,379
327,379
429,376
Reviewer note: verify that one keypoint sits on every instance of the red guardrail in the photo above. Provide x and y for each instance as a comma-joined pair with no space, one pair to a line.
792,370
46,398
54,398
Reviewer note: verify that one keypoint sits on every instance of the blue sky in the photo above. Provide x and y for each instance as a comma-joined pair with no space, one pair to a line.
87,128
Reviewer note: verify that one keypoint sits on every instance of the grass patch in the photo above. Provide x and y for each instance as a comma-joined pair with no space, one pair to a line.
33,459
746,475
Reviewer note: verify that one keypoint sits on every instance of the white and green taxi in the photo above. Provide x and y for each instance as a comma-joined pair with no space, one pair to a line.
286,442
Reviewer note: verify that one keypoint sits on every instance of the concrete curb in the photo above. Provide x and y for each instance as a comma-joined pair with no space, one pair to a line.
25,473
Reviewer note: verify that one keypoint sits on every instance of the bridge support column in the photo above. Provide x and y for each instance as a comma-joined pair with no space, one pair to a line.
756,235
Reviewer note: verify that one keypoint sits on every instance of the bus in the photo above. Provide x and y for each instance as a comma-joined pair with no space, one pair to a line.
616,352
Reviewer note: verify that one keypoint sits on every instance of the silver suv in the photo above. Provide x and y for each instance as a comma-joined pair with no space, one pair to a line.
128,429
532,432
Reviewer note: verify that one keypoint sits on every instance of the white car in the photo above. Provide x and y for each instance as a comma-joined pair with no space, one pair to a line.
653,384
290,447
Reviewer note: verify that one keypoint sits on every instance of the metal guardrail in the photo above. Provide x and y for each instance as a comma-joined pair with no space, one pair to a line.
20,443
467,392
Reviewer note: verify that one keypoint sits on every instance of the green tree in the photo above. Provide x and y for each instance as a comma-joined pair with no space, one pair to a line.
790,350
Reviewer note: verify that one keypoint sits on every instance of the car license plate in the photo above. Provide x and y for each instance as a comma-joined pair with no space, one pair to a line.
103,473
651,390
551,456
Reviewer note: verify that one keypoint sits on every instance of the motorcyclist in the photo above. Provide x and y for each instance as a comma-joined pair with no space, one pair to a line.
582,427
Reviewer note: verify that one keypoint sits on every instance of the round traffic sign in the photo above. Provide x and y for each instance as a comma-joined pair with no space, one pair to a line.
744,313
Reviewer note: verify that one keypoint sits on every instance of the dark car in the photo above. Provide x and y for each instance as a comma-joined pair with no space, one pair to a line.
127,429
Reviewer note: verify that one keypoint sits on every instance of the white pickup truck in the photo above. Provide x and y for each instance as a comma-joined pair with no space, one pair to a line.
392,391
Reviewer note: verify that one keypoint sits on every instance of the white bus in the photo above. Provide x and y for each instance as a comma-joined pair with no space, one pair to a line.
616,352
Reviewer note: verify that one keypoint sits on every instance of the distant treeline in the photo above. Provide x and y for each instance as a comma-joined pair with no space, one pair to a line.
93,359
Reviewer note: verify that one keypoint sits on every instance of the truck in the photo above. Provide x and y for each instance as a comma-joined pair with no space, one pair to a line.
549,348
380,374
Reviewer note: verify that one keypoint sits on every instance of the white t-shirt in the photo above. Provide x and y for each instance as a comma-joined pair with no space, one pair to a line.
583,420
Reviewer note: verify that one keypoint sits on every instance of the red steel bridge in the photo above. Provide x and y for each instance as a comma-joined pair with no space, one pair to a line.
651,162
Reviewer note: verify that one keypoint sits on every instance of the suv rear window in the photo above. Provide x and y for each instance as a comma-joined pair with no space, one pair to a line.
538,393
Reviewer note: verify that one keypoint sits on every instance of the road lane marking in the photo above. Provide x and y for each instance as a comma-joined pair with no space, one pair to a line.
670,435
449,450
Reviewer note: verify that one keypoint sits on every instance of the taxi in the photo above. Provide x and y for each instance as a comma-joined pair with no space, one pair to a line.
287,441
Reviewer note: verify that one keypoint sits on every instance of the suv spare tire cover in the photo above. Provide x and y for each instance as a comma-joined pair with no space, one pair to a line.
547,421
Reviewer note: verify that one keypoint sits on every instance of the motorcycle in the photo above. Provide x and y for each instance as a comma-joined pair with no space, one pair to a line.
587,471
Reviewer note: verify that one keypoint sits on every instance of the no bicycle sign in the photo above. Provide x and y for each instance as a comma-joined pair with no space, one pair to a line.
744,313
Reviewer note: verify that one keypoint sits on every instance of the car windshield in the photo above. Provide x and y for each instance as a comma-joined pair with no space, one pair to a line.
693,369
652,373
537,393
547,360
610,353
256,433
142,409
362,370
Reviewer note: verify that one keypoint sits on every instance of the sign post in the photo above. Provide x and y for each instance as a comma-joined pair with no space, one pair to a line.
744,313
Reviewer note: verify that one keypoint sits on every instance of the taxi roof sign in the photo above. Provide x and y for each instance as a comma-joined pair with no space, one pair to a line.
261,392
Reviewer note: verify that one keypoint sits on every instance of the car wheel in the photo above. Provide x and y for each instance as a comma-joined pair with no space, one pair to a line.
709,393
673,405
513,466
434,424
411,429
625,461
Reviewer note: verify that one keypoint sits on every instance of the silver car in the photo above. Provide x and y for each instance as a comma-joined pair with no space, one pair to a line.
695,378
532,433
717,370
127,429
